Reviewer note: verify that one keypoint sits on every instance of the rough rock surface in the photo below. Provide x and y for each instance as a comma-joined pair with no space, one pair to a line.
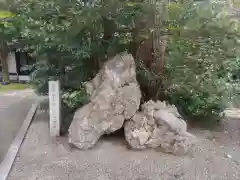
159,125
115,96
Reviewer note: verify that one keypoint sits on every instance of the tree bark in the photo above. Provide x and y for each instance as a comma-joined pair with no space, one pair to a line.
3,59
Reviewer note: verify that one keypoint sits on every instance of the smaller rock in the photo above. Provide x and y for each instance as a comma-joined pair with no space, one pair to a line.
228,156
155,127
165,118
142,135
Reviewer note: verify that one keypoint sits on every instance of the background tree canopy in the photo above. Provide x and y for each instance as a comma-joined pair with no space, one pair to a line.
71,39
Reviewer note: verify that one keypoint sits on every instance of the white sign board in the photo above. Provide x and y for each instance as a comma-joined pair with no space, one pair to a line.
54,108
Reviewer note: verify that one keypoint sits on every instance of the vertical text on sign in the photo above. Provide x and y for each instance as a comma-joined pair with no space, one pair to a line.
54,108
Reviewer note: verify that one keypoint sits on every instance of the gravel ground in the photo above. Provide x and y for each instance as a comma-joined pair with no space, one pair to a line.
14,107
215,157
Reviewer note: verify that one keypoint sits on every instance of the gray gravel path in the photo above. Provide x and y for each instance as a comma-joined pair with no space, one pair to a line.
13,110
216,157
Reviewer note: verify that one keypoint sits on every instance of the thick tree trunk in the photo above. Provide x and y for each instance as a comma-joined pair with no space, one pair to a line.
3,58
159,39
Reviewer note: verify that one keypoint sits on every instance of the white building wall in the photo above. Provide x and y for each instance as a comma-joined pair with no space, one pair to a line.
24,78
12,66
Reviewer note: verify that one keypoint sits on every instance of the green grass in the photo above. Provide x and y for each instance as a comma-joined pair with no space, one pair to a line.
14,86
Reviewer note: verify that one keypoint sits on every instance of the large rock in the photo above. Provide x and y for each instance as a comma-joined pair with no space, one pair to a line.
159,125
115,96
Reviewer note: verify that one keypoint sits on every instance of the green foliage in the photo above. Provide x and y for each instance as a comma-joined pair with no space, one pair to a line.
202,53
203,49
71,101
8,27
72,39
75,99
199,107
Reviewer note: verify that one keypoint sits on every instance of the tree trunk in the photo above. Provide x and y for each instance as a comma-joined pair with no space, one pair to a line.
3,58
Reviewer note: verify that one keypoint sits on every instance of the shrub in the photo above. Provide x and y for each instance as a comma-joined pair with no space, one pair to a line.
201,107
202,52
75,99
71,101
